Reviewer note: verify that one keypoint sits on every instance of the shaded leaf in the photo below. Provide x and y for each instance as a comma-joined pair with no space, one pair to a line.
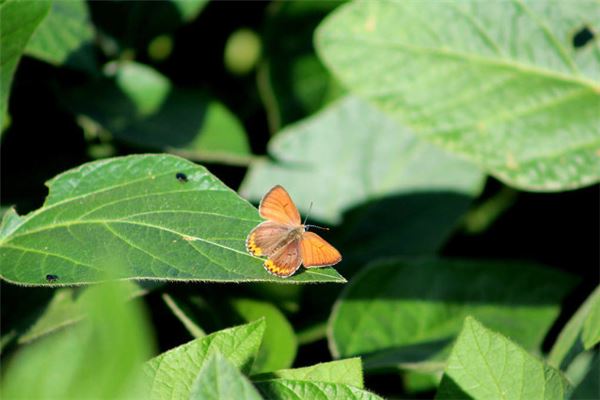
298,389
136,215
589,387
219,379
18,21
404,313
100,358
65,36
500,84
171,374
487,365
347,372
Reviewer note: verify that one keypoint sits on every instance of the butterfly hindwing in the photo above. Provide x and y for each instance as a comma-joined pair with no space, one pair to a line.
266,238
285,261
316,252
278,206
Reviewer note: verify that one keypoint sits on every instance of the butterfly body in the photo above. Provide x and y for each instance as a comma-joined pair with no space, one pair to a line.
285,240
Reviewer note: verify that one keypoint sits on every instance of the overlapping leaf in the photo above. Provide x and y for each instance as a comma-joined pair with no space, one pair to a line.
139,217
499,83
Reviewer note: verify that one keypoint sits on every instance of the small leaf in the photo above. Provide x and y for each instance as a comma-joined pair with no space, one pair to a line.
219,379
279,346
347,372
65,36
135,216
591,327
98,359
487,365
401,313
298,389
499,84
171,374
569,336
18,21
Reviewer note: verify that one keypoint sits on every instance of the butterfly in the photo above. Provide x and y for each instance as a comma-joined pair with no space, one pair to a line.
285,240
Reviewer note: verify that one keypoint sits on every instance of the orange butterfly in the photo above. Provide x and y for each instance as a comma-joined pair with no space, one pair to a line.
285,240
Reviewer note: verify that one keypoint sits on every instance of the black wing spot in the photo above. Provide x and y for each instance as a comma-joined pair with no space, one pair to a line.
51,278
181,177
582,37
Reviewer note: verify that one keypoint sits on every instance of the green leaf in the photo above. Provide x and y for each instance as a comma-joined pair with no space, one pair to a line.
404,313
589,387
499,84
98,359
138,105
135,216
18,21
298,389
487,365
347,372
65,37
219,379
182,314
171,374
567,341
278,349
591,327
353,163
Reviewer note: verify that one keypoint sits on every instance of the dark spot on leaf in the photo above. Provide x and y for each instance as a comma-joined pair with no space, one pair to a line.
582,37
181,177
51,278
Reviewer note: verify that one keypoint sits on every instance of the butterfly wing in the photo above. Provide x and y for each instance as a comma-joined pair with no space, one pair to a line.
277,205
266,238
285,261
316,252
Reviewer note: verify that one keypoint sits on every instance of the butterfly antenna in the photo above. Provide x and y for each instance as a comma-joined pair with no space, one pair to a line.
308,213
316,226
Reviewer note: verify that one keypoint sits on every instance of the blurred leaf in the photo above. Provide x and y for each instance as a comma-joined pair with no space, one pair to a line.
589,387
402,313
486,365
347,372
65,36
569,336
154,216
353,163
279,346
141,106
98,359
18,21
591,327
171,374
498,83
292,81
219,379
299,389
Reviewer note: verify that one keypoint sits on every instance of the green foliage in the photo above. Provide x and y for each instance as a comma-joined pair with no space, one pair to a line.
151,224
461,79
487,365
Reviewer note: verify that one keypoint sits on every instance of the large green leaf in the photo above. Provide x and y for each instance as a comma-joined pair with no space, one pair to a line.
486,365
65,36
142,217
499,83
219,379
18,21
139,105
98,359
347,372
171,374
300,389
568,341
404,313
355,164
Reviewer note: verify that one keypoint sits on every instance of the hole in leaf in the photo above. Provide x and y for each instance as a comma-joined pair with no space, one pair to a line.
582,37
51,278
181,177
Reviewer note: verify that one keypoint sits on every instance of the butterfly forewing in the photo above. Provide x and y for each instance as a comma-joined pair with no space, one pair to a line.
316,252
285,261
278,206
266,238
